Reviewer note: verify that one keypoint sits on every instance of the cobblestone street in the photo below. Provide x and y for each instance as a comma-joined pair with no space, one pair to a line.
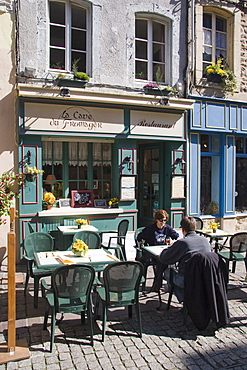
166,344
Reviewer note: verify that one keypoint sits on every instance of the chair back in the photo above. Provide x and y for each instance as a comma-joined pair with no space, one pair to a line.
31,229
72,285
91,238
37,242
122,277
199,223
123,227
137,232
238,242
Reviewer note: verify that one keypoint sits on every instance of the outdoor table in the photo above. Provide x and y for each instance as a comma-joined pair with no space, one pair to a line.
66,234
98,258
219,234
154,250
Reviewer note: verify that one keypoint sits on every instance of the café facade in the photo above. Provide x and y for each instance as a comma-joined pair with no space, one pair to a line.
94,145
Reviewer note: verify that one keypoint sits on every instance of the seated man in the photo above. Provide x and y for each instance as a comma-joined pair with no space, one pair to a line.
182,250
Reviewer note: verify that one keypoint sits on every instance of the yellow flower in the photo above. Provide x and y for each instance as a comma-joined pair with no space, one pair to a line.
81,221
49,198
79,246
214,225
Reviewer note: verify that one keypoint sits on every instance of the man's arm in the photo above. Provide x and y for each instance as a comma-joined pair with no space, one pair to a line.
174,253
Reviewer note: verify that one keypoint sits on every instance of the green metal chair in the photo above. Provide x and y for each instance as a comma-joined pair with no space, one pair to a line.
121,282
237,250
120,238
36,242
70,292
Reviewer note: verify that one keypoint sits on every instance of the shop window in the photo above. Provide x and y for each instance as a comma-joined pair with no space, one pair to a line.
241,175
214,38
68,35
77,166
210,174
151,51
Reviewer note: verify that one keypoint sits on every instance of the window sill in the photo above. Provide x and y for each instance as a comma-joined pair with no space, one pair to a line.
70,211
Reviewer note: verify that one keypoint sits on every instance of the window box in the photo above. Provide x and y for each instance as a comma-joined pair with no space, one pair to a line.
71,83
214,77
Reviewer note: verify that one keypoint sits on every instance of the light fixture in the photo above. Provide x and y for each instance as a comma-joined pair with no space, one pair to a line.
29,155
65,91
164,101
29,72
128,162
181,162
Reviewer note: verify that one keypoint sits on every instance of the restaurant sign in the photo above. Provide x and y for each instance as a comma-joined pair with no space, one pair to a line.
156,124
49,117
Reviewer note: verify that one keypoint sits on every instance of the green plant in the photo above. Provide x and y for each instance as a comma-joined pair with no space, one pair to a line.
171,90
32,170
228,77
7,181
77,74
159,76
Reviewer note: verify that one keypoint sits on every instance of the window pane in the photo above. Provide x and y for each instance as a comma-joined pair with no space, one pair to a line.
78,40
57,36
241,185
207,54
57,13
158,53
79,17
158,32
207,37
239,145
57,58
215,143
141,29
82,61
220,54
221,24
204,143
141,70
141,50
162,69
221,40
209,185
207,20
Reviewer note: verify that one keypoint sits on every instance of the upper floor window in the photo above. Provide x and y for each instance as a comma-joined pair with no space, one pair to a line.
150,49
214,38
68,36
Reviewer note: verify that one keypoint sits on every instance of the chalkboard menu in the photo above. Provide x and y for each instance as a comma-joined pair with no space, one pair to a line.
81,198
101,203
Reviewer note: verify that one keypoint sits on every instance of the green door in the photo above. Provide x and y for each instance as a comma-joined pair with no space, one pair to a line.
149,183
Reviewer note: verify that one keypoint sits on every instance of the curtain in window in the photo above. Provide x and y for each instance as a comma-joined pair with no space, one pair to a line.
57,152
47,153
99,154
47,157
78,154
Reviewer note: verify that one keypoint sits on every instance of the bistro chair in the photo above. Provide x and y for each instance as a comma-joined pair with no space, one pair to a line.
91,238
70,292
199,223
31,229
121,282
237,250
120,238
36,242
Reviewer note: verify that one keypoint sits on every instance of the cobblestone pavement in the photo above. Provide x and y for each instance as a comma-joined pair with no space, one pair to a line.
166,342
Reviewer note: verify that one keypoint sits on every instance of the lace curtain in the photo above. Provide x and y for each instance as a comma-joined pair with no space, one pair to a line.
47,152
78,152
101,151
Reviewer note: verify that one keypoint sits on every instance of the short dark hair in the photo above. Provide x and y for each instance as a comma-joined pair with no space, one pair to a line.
161,214
188,224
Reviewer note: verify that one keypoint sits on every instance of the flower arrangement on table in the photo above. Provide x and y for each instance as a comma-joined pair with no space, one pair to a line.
214,226
113,202
224,75
7,181
48,199
80,221
79,248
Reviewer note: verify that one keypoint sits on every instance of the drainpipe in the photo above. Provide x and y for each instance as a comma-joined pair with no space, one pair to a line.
191,49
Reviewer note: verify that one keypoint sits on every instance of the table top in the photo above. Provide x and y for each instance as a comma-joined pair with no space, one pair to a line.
71,230
154,250
98,258
218,234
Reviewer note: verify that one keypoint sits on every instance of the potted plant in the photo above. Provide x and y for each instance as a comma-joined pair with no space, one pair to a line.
79,79
79,248
113,203
31,173
80,221
7,194
218,73
48,200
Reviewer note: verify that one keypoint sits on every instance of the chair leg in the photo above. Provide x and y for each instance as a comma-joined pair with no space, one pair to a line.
53,323
233,266
104,321
26,281
138,315
46,317
170,298
130,311
36,292
160,301
90,323
83,317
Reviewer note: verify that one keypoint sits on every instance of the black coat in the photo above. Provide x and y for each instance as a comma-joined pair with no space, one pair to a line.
205,290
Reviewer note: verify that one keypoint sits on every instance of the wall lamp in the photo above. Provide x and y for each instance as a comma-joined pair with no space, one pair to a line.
65,91
164,101
179,161
128,162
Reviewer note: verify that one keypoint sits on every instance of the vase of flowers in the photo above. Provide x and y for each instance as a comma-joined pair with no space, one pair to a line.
214,226
48,200
31,173
7,193
80,221
113,203
79,248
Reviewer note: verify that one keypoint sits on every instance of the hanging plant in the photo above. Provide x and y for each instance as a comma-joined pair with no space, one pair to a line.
7,182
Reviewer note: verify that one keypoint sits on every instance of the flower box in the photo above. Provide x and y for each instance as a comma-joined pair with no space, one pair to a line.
214,77
152,91
71,83
30,177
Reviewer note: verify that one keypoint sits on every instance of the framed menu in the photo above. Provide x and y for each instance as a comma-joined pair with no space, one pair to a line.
81,198
128,187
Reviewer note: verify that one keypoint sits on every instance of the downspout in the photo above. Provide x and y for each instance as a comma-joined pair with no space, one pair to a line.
191,44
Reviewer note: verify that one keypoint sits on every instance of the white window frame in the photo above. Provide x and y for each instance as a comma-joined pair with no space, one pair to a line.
68,28
150,61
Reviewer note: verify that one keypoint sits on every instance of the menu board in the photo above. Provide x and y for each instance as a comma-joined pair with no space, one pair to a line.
81,198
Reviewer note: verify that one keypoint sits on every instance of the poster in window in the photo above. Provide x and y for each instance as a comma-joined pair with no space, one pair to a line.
81,198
